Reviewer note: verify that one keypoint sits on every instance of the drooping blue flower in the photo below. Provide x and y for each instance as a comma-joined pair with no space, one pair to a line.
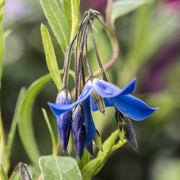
86,118
104,94
64,120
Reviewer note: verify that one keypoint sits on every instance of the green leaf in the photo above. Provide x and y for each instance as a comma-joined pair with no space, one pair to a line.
67,11
3,175
95,165
50,130
2,3
122,7
25,119
12,131
71,10
51,57
57,21
75,16
1,49
61,168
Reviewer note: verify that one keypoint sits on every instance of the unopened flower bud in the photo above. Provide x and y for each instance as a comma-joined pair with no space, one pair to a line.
78,129
64,120
99,101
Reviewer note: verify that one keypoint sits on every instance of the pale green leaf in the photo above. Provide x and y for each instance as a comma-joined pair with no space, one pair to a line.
3,175
122,7
1,49
71,10
2,3
60,168
75,16
51,57
25,119
12,131
67,11
57,21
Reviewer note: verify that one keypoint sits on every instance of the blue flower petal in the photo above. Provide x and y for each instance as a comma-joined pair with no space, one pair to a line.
59,109
105,89
132,107
108,102
108,90
86,92
129,88
89,124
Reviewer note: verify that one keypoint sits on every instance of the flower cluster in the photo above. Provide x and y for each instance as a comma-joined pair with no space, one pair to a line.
97,94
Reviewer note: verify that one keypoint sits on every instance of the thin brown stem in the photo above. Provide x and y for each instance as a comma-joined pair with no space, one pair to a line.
113,39
68,52
108,13
97,55
66,61
76,51
80,59
114,58
87,59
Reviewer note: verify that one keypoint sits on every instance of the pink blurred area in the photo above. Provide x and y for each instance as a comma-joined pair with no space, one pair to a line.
98,5
174,4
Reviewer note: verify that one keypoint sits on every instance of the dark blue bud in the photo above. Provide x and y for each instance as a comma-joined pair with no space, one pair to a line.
130,134
64,120
78,129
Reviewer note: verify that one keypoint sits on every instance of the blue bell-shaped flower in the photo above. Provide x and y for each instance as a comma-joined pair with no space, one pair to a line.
64,120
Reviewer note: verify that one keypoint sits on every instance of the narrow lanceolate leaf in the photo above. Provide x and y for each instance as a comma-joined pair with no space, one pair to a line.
122,7
51,57
50,130
71,11
25,119
1,47
61,168
12,131
57,21
3,175
67,11
130,134
75,16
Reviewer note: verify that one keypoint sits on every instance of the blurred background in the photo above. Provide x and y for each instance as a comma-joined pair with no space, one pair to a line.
149,40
